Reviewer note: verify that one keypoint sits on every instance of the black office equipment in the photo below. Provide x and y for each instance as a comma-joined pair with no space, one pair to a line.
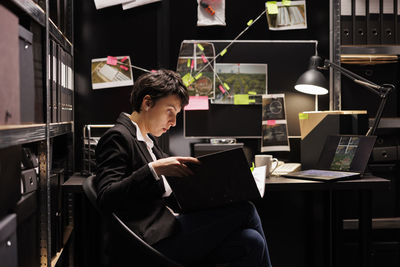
29,181
27,85
27,235
374,22
28,159
10,185
9,68
360,22
346,22
8,241
343,157
233,121
221,178
388,22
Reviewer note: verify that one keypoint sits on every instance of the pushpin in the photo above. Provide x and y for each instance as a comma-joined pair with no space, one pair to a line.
111,60
223,52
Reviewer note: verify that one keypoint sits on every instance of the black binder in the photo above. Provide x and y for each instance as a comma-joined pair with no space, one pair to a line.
346,22
397,20
54,81
388,22
374,26
360,22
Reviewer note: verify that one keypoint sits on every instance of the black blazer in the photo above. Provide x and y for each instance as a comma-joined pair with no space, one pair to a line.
125,184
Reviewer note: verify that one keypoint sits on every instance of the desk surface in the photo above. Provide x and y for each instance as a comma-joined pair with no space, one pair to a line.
277,183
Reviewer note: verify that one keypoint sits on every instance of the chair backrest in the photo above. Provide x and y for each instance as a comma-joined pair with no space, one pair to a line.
138,244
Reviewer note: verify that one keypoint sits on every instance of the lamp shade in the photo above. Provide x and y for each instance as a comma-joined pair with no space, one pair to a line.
312,81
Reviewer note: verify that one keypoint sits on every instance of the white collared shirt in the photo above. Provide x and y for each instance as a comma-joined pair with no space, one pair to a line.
149,145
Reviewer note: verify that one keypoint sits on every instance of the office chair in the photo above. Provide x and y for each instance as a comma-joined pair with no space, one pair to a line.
137,246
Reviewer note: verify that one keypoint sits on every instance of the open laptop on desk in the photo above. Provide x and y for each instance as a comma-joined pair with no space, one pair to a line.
343,157
222,178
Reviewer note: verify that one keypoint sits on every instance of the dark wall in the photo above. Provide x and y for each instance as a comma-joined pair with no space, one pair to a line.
151,35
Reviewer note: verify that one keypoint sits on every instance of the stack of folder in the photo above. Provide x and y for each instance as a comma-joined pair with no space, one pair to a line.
370,22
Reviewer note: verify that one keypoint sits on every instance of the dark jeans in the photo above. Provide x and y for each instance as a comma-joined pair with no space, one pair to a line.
231,234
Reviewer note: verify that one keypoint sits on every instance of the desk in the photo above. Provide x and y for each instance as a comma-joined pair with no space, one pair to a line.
364,185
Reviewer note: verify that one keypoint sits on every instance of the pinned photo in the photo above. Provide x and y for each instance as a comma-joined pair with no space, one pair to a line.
111,72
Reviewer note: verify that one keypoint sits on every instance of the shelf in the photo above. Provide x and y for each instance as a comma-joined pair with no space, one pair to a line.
60,128
67,235
387,123
32,9
59,37
370,49
11,135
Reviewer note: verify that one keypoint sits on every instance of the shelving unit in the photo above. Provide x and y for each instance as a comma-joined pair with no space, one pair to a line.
43,136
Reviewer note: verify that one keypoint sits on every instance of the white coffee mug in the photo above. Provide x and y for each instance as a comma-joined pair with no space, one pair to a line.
270,162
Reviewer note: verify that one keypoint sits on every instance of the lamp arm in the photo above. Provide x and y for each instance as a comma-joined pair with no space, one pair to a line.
381,90
355,77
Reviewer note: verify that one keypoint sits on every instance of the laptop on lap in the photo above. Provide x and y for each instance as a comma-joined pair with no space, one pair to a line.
221,179
343,157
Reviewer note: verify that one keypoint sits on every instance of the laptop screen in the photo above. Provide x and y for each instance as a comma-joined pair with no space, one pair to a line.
346,153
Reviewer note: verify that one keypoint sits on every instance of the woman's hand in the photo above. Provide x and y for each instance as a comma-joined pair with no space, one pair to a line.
174,166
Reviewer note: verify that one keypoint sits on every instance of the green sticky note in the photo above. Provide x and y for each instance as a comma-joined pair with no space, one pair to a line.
249,22
223,52
187,79
252,167
188,63
241,99
227,86
303,116
198,76
252,101
272,7
286,2
200,47
252,93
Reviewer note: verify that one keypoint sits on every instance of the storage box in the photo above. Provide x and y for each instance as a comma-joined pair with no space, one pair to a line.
315,126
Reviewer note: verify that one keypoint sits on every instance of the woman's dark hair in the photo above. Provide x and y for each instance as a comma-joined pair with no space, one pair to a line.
158,84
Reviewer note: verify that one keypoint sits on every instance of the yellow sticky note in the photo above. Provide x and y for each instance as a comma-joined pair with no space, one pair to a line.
286,2
252,101
249,22
272,7
303,116
223,52
188,63
252,93
200,47
227,86
198,76
241,99
187,79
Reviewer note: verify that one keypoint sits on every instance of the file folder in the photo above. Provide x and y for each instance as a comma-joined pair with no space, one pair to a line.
360,22
397,21
374,27
346,22
388,22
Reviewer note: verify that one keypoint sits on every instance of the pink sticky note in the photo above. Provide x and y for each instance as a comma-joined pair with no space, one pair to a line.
271,122
222,89
125,58
123,67
111,60
204,58
197,103
192,64
153,71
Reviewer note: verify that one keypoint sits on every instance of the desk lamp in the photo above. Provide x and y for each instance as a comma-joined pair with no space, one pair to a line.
313,81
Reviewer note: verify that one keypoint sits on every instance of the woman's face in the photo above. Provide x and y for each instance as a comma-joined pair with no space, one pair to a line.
161,116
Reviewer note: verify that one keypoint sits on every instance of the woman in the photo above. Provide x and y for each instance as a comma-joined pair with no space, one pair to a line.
130,180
